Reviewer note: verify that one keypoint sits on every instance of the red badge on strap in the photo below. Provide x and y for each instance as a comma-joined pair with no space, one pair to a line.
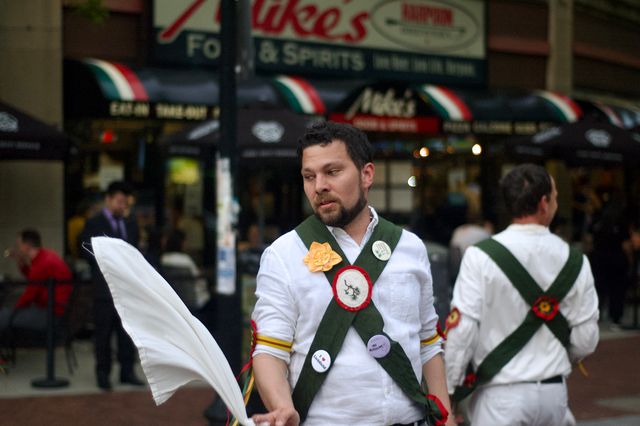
352,288
452,320
546,307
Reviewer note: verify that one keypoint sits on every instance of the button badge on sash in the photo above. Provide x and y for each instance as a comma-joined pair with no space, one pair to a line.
321,361
381,250
352,288
379,346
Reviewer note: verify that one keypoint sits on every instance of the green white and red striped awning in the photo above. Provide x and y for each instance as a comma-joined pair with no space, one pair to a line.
98,88
117,81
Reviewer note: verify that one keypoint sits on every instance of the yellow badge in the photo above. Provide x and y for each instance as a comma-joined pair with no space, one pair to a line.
321,257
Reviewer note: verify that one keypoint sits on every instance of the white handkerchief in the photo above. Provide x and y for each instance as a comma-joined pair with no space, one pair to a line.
175,348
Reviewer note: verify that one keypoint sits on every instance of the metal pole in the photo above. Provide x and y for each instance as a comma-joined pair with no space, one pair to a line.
50,381
228,313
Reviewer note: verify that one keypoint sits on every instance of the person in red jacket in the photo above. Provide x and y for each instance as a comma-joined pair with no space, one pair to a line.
38,264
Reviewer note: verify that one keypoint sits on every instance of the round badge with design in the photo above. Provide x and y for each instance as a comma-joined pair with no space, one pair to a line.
321,361
379,346
381,250
352,288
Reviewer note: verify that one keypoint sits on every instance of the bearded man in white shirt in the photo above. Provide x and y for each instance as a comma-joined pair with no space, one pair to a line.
346,328
524,308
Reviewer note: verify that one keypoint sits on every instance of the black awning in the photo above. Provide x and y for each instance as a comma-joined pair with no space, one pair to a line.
96,88
23,137
588,141
388,108
262,133
431,109
623,116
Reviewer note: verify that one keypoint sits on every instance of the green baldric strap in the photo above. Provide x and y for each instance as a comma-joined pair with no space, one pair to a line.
367,322
534,296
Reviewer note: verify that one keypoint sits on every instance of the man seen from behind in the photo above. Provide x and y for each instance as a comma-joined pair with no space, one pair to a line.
524,308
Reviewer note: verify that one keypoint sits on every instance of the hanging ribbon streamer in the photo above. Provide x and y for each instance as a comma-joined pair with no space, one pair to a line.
249,379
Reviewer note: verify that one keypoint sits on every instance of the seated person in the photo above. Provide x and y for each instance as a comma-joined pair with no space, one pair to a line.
179,269
38,264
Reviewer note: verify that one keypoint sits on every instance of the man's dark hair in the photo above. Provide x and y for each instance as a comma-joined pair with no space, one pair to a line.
175,241
119,186
523,187
31,236
323,133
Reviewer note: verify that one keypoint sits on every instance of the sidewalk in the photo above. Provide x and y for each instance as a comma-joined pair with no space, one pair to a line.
609,396
83,403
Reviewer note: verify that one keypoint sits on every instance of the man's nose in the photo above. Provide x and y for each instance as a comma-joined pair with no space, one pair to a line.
322,185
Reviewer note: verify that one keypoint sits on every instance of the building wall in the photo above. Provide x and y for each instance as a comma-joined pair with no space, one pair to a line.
606,54
517,46
119,38
606,36
31,193
31,52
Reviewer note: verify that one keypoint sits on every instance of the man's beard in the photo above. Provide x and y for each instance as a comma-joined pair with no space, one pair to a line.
344,216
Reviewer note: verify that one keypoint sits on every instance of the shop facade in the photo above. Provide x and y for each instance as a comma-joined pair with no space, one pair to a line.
470,94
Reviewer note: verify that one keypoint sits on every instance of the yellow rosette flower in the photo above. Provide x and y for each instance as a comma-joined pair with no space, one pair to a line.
321,257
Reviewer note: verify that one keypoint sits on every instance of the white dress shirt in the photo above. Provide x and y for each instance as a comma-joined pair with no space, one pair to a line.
491,309
292,301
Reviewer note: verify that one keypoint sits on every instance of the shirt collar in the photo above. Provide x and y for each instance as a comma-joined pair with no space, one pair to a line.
340,233
529,228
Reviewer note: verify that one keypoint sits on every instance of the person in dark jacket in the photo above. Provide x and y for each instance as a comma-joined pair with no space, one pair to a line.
111,221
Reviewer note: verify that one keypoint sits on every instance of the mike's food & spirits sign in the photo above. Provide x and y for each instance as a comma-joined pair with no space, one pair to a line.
441,41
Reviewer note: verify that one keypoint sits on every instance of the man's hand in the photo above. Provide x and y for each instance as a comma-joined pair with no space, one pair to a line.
287,416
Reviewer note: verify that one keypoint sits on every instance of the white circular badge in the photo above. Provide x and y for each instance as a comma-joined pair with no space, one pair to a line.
352,288
381,250
321,361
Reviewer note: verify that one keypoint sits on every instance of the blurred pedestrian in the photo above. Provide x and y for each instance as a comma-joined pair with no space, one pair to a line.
612,258
37,264
178,267
524,307
111,222
464,236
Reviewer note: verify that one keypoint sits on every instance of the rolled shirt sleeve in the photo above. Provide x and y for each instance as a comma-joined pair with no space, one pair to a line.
462,337
430,340
274,313
582,317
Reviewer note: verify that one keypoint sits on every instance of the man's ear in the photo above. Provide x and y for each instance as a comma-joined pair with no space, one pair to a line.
366,174
543,204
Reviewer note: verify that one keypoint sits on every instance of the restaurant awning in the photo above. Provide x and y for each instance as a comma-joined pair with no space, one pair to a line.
432,109
100,88
623,116
588,141
261,133
22,137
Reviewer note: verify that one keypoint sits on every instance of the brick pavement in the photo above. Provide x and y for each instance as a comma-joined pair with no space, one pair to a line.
612,388
609,396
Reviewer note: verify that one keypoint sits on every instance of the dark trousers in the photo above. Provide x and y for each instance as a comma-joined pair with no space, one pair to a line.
610,271
107,320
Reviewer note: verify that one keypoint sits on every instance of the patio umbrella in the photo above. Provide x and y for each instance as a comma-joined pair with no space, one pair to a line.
587,141
261,132
23,137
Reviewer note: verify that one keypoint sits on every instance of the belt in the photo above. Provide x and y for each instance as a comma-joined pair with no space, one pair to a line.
554,379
